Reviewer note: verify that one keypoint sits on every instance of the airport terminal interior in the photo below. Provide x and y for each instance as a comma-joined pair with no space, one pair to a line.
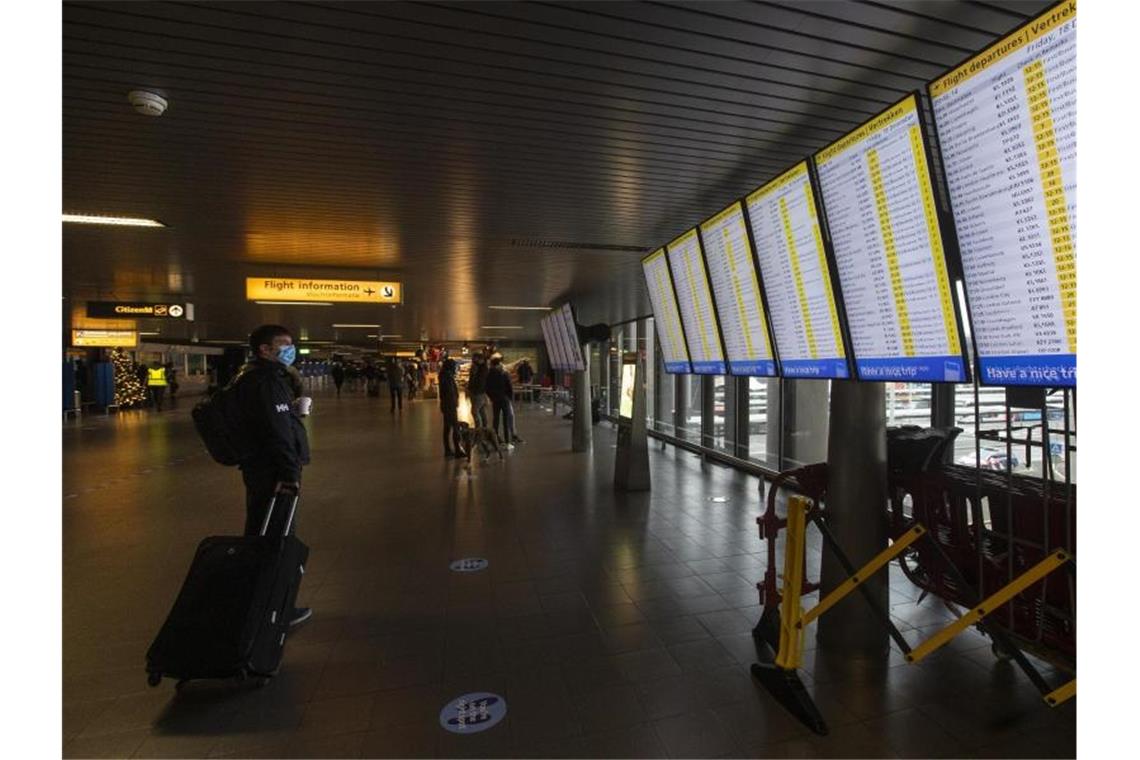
757,321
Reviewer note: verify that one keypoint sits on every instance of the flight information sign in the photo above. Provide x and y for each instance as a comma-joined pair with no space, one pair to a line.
568,331
1007,126
798,277
886,233
740,306
553,345
694,296
666,313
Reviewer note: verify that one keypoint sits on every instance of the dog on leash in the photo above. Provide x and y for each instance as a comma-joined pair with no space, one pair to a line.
485,438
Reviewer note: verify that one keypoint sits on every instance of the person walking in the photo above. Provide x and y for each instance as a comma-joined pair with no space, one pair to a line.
477,389
449,405
394,373
156,384
172,381
410,377
338,377
277,439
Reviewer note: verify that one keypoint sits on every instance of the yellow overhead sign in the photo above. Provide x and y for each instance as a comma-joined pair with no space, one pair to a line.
303,289
105,338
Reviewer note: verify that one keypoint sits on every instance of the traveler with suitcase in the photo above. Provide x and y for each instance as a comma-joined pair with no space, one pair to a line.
239,598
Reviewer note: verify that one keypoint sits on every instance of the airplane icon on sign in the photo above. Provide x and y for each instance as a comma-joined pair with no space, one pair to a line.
388,292
369,291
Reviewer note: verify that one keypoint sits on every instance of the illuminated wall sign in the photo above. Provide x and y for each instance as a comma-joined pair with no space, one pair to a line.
302,289
105,338
135,309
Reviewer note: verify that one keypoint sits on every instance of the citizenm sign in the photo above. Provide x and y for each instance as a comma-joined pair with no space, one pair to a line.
136,310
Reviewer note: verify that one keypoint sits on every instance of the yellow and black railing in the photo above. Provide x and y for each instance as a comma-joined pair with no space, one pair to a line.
780,677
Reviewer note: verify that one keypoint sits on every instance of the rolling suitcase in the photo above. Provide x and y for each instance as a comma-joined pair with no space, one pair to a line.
232,615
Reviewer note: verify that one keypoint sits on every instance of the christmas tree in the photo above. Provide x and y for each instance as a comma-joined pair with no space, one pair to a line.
128,390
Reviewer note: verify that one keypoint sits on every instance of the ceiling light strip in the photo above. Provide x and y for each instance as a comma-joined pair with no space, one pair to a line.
119,221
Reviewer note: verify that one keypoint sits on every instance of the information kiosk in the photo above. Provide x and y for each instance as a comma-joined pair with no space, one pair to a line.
799,276
631,464
736,288
1007,127
666,313
890,250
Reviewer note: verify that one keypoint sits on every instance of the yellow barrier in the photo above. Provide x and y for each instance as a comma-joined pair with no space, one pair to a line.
1003,595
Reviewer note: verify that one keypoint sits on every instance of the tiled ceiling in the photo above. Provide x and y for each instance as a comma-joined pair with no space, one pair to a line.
484,153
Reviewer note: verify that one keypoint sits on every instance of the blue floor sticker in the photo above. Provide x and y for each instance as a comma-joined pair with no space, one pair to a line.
473,713
469,565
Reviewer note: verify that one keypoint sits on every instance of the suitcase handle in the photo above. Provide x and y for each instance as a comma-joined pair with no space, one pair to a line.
288,520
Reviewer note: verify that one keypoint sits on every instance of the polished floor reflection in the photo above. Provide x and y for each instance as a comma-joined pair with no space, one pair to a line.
614,625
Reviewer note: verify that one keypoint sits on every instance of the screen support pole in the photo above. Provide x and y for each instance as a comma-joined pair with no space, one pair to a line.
857,515
631,460
583,431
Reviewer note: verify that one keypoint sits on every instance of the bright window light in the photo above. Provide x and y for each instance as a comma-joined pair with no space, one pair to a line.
293,303
121,221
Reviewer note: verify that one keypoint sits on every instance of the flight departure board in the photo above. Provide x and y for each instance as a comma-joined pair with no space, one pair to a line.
572,347
666,315
698,315
740,306
798,278
878,197
1007,127
553,346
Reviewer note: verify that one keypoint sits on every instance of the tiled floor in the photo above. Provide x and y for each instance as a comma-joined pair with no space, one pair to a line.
615,625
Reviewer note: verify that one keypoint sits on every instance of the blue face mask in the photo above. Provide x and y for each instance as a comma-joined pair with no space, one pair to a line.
286,355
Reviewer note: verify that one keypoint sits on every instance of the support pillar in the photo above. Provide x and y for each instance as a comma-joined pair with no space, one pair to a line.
583,431
857,516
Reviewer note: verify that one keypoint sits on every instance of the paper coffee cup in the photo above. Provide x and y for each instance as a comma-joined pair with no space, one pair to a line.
304,405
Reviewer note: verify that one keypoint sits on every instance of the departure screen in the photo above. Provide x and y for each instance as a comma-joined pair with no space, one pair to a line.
797,276
569,331
879,203
666,314
1007,126
695,300
737,289
553,346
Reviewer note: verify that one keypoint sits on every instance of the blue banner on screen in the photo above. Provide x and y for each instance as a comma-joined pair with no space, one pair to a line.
1042,369
679,367
821,368
708,368
760,368
935,369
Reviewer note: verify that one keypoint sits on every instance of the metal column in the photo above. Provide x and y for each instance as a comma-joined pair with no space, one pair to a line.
857,516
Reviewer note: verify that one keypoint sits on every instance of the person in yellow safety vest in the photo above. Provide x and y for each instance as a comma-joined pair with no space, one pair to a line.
156,384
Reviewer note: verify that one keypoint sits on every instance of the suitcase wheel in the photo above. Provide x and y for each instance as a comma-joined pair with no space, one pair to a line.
153,679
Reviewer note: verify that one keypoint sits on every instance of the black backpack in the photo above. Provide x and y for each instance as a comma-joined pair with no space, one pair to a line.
222,427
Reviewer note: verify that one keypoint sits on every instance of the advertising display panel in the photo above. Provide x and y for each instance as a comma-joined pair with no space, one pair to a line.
1007,128
628,376
666,313
739,303
694,297
890,252
798,276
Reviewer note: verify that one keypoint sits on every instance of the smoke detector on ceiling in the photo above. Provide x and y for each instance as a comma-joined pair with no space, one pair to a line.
147,103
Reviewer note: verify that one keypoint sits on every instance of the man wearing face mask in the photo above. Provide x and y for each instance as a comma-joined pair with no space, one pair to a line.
265,395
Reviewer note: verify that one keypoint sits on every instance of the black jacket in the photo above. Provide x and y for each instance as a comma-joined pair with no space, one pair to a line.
448,392
265,392
477,380
498,384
